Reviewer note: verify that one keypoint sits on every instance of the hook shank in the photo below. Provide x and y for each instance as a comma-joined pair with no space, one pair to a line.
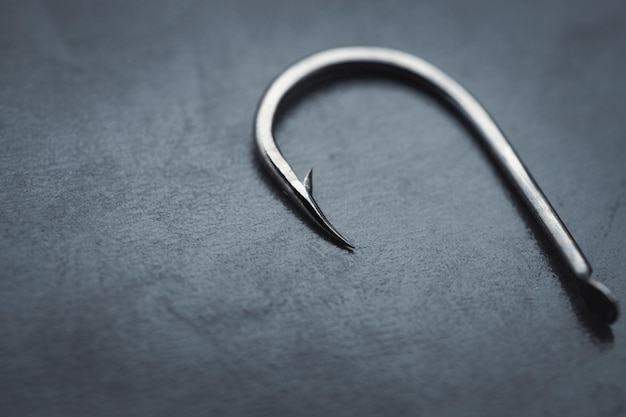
469,108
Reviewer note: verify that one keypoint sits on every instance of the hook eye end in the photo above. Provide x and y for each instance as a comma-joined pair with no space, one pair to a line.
600,300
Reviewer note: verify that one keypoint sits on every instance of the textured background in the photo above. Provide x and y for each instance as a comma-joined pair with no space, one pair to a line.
148,268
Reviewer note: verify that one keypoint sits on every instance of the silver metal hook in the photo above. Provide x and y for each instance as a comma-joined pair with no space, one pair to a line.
301,192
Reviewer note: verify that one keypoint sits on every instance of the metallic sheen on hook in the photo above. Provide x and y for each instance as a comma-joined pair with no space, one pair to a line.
301,192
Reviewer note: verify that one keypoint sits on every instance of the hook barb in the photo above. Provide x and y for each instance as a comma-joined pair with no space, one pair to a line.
308,181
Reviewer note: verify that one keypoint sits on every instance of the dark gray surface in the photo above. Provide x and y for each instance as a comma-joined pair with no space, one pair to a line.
148,268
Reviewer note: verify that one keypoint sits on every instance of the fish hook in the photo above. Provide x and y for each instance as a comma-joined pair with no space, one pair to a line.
301,192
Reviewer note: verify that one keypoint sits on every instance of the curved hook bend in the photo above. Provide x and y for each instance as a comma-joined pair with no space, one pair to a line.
301,192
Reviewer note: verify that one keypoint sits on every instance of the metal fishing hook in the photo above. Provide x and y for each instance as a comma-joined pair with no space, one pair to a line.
301,192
